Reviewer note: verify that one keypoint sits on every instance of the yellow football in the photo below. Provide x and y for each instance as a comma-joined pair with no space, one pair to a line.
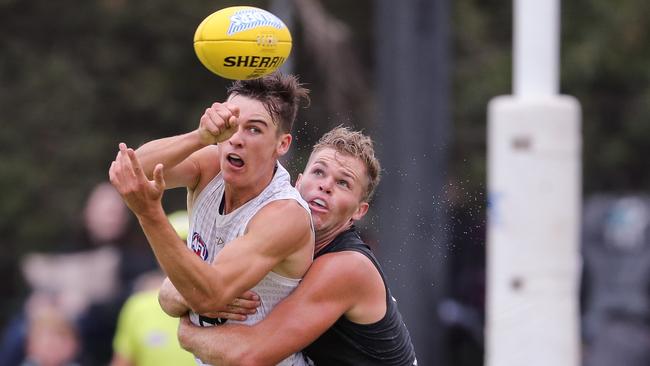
242,42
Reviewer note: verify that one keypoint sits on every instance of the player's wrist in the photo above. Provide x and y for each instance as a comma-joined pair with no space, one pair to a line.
204,137
152,216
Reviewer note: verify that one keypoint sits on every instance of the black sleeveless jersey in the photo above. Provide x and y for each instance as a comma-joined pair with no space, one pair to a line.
384,343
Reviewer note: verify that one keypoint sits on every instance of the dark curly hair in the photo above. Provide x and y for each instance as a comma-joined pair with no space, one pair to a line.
280,94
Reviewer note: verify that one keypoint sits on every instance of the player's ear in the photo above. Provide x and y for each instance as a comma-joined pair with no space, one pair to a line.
361,211
298,180
284,143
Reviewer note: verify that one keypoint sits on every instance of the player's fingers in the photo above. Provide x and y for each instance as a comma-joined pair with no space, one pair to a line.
234,110
238,310
233,122
120,155
216,121
126,169
159,178
244,306
208,123
249,308
232,316
221,114
226,315
117,167
249,295
233,119
135,163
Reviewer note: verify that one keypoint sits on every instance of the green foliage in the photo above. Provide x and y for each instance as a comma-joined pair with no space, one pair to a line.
77,77
605,65
482,33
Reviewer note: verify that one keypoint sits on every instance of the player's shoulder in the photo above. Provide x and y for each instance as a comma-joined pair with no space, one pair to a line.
350,259
206,165
285,210
208,160
350,266
284,203
281,220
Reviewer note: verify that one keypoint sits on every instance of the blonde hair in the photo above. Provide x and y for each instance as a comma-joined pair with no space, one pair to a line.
355,144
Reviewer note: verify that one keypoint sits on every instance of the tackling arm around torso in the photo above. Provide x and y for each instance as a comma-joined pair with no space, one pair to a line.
337,284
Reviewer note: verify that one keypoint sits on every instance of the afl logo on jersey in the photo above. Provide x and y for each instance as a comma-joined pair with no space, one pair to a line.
199,247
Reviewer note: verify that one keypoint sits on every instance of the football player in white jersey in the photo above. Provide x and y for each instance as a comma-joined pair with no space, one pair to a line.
238,141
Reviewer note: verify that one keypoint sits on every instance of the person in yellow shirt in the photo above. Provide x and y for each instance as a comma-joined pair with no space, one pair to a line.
145,335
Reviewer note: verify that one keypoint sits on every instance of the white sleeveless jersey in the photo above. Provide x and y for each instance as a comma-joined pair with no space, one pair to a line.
210,232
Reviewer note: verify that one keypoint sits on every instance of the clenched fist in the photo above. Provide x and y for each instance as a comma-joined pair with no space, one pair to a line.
218,123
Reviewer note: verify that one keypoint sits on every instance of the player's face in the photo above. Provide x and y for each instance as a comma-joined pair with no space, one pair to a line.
248,157
333,184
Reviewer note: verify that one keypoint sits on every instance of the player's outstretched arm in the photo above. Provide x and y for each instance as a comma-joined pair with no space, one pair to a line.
183,155
238,267
336,284
178,154
144,197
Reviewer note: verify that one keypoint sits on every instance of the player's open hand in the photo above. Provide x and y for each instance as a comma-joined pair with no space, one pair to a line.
218,123
141,195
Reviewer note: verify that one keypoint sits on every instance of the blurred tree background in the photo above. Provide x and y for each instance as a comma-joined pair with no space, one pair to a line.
77,77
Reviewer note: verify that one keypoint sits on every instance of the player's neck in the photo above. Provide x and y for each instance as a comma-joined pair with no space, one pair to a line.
237,196
324,238
321,244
